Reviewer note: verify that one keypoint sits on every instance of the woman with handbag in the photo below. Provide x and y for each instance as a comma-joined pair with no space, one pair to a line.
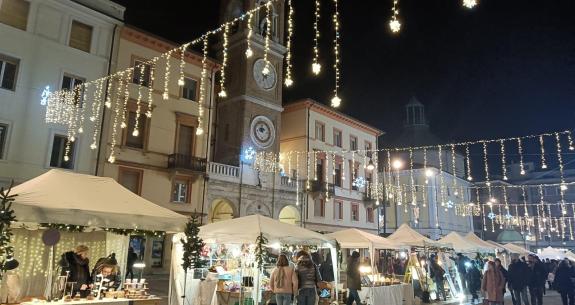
283,281
492,285
308,277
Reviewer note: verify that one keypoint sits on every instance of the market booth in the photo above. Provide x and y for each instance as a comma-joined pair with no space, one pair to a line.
512,248
377,288
233,273
88,209
463,245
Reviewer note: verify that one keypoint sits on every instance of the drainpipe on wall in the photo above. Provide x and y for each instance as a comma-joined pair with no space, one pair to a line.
99,151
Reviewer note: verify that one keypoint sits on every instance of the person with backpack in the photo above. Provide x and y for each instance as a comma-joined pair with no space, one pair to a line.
308,278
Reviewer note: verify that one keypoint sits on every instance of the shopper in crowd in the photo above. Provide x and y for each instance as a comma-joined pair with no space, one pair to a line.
353,279
108,273
283,281
473,279
308,276
437,273
536,279
492,285
517,278
75,264
326,270
564,282
503,271
132,258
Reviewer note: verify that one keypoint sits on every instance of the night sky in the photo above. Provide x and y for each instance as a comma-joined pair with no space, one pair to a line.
505,68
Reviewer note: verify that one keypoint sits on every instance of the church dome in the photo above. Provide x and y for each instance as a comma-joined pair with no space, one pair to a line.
508,236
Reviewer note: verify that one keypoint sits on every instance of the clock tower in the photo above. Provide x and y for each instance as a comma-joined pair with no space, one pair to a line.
250,114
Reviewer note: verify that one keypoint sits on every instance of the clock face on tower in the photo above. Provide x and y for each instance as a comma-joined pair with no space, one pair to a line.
262,132
265,82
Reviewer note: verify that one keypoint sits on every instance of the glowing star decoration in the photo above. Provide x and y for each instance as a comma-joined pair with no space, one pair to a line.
508,216
249,153
491,216
359,182
449,204
469,3
45,95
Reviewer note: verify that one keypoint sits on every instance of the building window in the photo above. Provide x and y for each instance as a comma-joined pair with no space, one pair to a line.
319,208
338,210
190,89
369,215
59,151
140,78
129,139
3,139
181,189
81,36
355,212
337,138
368,149
70,82
14,13
185,140
319,131
337,177
319,171
353,143
8,72
131,179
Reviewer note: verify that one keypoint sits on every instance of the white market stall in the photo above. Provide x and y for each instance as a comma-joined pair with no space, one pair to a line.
462,245
480,242
409,237
68,198
512,248
240,231
551,253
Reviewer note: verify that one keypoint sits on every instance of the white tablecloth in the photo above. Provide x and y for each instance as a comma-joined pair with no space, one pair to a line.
389,295
120,301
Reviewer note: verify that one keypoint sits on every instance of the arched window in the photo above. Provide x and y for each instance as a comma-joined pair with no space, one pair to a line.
262,22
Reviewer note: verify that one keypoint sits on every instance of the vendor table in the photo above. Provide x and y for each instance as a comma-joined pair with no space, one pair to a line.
119,301
401,294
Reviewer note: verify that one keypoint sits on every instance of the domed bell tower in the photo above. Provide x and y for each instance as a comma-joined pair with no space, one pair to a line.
249,116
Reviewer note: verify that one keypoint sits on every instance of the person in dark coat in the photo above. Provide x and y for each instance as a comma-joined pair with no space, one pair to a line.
473,278
132,258
326,270
460,261
308,277
536,279
517,279
437,274
353,279
75,264
563,282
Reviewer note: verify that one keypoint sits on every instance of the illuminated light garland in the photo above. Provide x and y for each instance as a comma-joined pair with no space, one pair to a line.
520,150
336,100
425,165
343,167
97,115
486,167
503,163
316,66
166,94
108,102
453,170
539,223
411,178
288,78
269,12
289,166
315,165
182,63
570,140
308,176
117,110
296,179
223,92
136,131
130,74
563,186
150,87
389,174
469,3
353,176
326,176
441,186
249,51
83,107
394,23
204,80
542,145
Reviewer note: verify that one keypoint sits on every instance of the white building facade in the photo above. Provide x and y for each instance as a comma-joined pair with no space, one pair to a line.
49,45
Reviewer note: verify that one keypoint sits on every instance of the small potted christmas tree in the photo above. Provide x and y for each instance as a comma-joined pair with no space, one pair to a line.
193,246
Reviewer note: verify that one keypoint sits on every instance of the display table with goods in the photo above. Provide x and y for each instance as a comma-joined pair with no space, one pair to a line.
104,301
396,294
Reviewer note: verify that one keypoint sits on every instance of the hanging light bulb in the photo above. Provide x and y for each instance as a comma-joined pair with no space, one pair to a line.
316,68
469,3
288,82
395,25
249,53
93,146
266,70
80,130
165,96
72,139
66,158
112,159
123,125
135,133
181,82
199,131
335,101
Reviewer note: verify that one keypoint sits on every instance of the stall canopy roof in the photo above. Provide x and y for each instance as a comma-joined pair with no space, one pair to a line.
551,253
471,237
516,249
409,237
245,230
354,238
460,244
65,197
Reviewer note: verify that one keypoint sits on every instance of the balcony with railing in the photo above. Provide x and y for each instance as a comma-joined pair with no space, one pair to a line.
181,162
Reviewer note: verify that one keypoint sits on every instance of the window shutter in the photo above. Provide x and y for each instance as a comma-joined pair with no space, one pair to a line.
14,13
81,36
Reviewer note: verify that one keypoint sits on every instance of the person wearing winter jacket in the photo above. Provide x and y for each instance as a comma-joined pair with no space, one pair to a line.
516,276
308,277
564,284
493,284
283,281
75,264
353,279
473,278
536,279
437,273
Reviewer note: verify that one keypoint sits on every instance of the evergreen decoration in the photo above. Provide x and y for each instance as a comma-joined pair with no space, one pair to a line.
193,245
77,228
261,251
6,218
63,227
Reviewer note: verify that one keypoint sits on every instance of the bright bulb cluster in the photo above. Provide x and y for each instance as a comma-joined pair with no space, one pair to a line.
288,78
316,67
336,101
249,52
469,3
269,12
394,24
222,92
166,94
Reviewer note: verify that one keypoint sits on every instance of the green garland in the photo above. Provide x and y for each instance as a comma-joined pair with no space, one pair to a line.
261,251
62,227
80,229
6,218
192,245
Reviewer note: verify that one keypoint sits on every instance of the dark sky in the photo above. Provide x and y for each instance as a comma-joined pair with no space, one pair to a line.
505,68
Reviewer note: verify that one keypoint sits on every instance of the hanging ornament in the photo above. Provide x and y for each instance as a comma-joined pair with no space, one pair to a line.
249,51
336,100
269,12
394,23
468,163
203,83
469,3
288,79
542,146
316,66
520,149
222,92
